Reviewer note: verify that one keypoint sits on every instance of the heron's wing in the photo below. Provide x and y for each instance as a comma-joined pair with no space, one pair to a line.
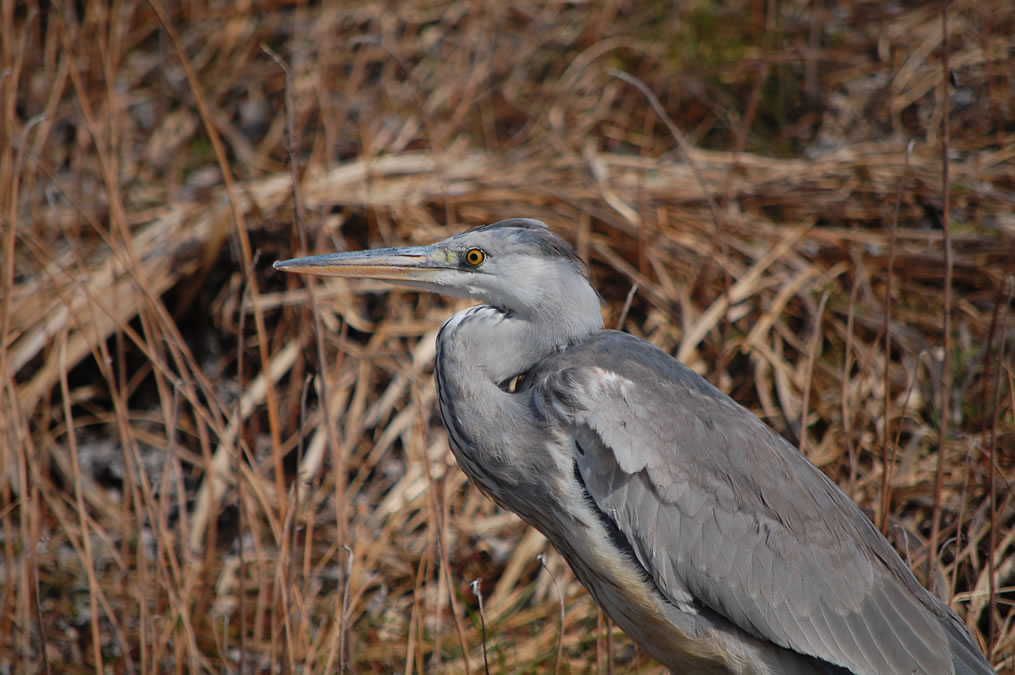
717,505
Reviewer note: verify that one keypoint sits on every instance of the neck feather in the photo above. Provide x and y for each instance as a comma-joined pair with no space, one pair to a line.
497,344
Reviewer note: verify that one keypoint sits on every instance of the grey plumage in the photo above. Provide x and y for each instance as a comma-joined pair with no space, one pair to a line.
704,534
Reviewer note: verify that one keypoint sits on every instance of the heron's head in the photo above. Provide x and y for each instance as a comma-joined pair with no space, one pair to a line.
518,265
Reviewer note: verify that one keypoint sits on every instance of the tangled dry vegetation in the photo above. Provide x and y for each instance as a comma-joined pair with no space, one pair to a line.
208,466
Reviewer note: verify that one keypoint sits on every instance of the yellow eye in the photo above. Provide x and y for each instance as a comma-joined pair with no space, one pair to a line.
475,257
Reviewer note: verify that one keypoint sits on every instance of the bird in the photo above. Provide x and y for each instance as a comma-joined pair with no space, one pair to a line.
704,534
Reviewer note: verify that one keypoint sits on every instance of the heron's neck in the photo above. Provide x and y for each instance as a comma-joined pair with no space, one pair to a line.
496,344
479,351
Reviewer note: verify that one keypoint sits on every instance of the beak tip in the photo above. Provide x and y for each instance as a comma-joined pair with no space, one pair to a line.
278,264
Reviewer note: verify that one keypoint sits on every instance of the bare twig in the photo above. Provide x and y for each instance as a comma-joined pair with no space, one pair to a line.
946,378
887,465
847,371
627,306
350,557
991,471
478,592
241,230
686,151
560,597
85,529
816,337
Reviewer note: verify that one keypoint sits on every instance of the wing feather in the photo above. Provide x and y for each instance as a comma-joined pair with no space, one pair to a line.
718,507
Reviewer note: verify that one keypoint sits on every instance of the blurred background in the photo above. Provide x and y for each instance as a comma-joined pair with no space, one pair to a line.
209,466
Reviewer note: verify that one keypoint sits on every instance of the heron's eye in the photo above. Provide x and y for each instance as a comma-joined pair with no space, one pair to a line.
475,257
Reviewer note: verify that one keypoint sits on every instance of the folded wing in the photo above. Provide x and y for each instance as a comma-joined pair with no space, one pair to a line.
715,503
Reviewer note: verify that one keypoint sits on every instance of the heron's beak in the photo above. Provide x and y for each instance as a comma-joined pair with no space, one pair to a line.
410,264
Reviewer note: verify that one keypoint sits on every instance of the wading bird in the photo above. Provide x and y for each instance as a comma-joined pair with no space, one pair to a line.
705,535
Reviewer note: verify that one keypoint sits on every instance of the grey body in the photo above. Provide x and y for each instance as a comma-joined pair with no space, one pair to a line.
703,534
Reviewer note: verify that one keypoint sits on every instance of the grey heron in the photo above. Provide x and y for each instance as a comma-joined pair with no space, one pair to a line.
706,536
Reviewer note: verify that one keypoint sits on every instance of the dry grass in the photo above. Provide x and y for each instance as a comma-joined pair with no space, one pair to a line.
209,466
